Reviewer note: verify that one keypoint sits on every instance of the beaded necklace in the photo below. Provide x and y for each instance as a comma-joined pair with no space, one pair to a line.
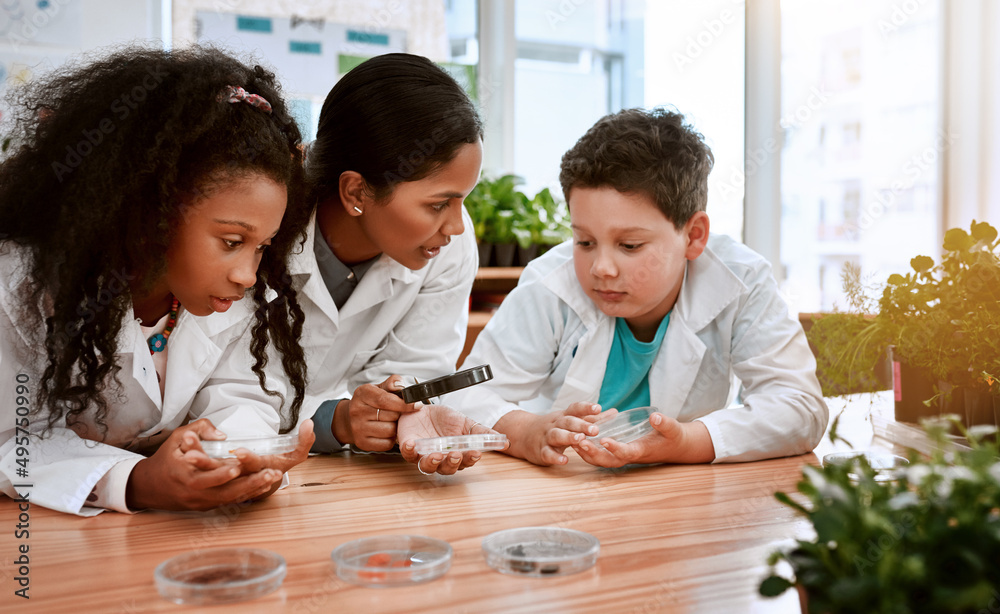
158,342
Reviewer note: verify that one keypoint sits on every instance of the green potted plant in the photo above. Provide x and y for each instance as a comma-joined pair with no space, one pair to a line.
491,205
942,323
509,224
540,222
928,541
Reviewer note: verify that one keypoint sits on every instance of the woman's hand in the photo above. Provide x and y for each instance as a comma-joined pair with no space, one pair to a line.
368,419
180,476
439,421
670,442
541,439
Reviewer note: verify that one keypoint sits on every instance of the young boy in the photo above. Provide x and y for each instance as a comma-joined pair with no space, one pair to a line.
643,308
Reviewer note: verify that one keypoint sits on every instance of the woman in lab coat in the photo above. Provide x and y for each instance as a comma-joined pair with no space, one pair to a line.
388,264
131,231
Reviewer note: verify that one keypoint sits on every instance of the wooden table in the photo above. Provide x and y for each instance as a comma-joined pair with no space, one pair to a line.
673,539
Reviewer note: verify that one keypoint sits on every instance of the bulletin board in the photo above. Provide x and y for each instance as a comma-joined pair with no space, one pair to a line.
308,53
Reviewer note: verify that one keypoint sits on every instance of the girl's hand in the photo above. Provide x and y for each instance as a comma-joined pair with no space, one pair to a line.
541,439
368,419
252,463
438,421
670,442
180,476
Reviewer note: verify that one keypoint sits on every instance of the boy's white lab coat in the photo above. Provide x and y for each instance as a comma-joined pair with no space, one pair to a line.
59,470
397,321
548,346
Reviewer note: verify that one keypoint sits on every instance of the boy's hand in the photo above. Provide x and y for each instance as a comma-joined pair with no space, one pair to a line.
368,419
670,442
180,476
438,421
541,439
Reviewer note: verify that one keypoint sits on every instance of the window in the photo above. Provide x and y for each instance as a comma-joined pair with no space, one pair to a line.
860,175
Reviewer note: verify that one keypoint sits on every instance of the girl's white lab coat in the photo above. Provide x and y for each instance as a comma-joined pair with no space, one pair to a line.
397,321
548,346
60,470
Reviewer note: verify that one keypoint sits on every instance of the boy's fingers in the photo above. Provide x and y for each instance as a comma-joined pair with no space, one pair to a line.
550,457
557,437
582,409
577,425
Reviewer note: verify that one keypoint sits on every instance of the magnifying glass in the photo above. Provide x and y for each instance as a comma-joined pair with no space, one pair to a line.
445,384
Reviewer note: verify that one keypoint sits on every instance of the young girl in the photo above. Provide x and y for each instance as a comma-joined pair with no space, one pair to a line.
144,195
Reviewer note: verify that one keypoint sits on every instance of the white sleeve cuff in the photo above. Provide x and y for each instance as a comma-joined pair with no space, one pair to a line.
109,492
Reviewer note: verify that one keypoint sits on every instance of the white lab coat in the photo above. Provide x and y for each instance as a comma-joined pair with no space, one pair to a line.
64,465
548,346
397,321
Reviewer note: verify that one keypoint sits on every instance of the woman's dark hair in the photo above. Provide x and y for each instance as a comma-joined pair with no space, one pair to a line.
652,152
394,118
105,158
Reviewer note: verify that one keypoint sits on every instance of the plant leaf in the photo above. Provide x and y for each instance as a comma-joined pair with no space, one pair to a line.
921,264
774,586
957,240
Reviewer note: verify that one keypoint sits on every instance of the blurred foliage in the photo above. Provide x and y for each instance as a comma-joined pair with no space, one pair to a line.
926,542
942,318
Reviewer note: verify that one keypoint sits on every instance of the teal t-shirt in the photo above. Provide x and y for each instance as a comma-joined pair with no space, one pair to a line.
626,378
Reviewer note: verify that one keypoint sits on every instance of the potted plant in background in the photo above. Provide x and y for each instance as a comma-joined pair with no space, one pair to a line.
928,541
942,323
511,226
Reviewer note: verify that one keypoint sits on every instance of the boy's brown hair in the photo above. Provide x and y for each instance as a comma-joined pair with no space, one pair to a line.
652,152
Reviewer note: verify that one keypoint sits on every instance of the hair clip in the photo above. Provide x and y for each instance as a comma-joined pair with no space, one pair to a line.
238,94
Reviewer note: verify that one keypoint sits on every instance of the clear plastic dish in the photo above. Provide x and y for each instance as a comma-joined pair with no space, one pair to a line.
627,426
219,576
887,466
264,444
461,443
540,551
391,560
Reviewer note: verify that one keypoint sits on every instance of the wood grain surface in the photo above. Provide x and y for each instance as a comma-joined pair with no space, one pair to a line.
673,539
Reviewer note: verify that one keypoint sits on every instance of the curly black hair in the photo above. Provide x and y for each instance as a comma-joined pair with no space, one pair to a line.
105,156
653,152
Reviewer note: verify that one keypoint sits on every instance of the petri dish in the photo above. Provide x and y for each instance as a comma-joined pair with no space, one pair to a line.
461,443
264,444
627,426
219,576
540,551
391,560
887,467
